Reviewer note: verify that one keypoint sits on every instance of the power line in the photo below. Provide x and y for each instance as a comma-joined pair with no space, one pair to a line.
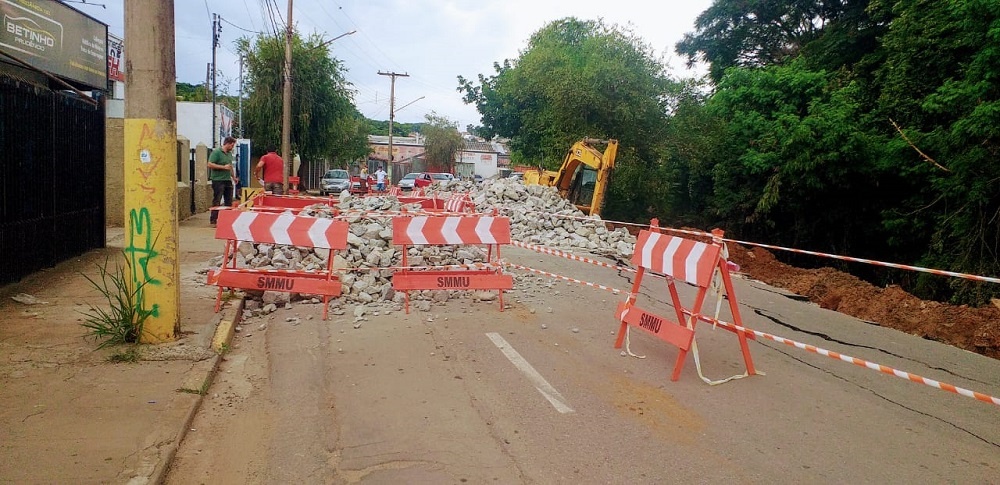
278,11
241,28
248,14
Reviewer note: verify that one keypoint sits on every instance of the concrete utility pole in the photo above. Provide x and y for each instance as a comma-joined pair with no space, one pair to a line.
150,166
392,101
286,111
216,30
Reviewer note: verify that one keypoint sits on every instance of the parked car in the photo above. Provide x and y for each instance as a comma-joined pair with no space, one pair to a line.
477,178
442,177
415,180
334,182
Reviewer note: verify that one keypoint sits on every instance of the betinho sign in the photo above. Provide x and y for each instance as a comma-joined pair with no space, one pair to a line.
54,37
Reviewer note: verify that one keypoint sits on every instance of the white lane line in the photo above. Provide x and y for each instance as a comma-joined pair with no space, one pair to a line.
539,382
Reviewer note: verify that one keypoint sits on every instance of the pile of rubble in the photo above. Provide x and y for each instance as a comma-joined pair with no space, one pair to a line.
537,214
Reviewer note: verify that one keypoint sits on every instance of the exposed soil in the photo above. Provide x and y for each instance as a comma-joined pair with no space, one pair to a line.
973,329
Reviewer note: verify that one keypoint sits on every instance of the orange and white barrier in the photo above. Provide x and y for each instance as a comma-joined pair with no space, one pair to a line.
459,203
261,227
452,230
395,191
686,260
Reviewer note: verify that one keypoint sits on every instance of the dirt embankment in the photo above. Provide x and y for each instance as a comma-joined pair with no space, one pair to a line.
973,329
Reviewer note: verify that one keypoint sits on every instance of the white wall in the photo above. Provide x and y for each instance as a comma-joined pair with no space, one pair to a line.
485,163
194,122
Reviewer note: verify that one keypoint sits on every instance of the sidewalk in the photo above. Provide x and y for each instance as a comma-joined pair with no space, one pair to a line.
67,414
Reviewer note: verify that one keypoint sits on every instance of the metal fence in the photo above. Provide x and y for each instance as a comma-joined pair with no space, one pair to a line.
51,178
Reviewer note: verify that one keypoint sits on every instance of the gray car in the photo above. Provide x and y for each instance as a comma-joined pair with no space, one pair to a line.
334,182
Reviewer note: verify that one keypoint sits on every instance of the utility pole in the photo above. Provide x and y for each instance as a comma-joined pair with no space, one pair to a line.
286,111
150,168
240,124
392,100
216,30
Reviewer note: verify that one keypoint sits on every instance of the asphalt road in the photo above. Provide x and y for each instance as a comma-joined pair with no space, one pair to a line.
537,394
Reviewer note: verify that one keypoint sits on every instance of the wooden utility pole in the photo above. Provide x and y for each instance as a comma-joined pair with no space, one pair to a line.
150,166
286,111
392,101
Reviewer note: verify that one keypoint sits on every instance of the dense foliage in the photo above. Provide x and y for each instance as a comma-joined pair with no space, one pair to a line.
325,122
869,128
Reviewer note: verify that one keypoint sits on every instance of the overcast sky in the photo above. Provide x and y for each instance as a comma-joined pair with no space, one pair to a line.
434,41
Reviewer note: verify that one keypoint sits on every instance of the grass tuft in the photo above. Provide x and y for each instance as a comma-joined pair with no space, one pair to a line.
121,322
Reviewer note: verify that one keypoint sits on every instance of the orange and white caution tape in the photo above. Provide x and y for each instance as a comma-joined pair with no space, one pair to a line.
424,268
859,362
571,256
566,278
389,214
940,272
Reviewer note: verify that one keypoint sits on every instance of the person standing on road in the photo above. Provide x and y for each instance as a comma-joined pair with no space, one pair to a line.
380,179
273,167
222,173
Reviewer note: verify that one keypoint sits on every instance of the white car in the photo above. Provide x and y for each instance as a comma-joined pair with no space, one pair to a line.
415,180
334,182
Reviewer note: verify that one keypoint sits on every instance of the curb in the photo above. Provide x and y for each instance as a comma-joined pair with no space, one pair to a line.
227,327
223,335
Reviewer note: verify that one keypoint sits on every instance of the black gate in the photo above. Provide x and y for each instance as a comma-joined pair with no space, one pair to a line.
51,177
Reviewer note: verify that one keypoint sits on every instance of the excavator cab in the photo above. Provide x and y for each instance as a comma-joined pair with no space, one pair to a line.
581,191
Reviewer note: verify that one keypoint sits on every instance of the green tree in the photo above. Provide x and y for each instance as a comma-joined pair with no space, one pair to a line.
442,143
578,79
758,33
941,84
192,92
325,123
797,146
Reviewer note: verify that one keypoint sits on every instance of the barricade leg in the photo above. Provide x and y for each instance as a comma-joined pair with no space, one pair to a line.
727,281
628,304
692,321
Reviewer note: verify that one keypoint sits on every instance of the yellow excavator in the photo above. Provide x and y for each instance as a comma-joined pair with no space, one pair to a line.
584,175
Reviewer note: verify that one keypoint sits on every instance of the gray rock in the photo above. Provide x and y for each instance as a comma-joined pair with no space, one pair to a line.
275,298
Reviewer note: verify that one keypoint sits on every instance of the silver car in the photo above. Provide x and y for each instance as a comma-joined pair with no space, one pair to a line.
334,182
442,178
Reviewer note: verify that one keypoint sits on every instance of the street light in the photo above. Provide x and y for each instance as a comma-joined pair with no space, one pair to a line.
407,104
324,44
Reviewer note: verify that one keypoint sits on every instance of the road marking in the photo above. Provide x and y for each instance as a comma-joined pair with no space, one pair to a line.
539,382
